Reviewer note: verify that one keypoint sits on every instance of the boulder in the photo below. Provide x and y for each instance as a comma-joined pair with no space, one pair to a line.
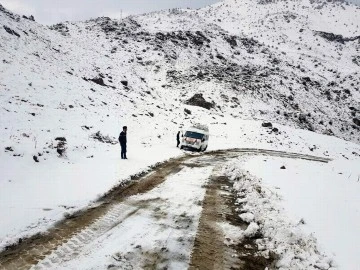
10,31
356,121
266,124
199,100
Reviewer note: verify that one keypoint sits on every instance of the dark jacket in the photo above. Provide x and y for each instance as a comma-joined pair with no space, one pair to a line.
122,138
178,136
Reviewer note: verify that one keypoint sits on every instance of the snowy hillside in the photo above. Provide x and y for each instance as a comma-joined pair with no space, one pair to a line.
66,91
291,62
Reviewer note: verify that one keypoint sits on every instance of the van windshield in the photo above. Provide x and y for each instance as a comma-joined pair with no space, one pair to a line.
194,135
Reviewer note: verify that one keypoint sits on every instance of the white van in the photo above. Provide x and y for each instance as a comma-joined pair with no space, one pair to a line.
196,138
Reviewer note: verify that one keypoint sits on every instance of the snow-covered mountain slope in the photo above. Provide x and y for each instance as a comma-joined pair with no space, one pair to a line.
292,62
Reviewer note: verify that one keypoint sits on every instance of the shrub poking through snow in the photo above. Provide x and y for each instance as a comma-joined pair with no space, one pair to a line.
9,149
104,139
61,146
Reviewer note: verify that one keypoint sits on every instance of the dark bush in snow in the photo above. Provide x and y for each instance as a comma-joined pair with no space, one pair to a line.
61,145
104,139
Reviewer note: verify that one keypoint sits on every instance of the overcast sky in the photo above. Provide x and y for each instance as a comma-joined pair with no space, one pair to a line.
54,11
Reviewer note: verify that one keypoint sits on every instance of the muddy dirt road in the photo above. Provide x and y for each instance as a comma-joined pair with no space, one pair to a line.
166,219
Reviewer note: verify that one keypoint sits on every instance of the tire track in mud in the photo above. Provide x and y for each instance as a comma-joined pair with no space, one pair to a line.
73,246
71,234
276,153
209,252
212,250
31,251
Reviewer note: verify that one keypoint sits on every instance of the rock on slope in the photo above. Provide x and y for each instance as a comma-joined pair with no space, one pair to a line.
292,62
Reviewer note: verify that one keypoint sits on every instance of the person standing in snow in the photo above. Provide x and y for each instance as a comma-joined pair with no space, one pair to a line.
122,141
178,139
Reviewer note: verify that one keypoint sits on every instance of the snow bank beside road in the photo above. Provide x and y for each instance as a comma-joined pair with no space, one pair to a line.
280,235
307,204
325,197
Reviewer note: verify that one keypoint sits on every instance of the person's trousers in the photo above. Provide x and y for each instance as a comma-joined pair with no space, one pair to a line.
178,142
123,151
